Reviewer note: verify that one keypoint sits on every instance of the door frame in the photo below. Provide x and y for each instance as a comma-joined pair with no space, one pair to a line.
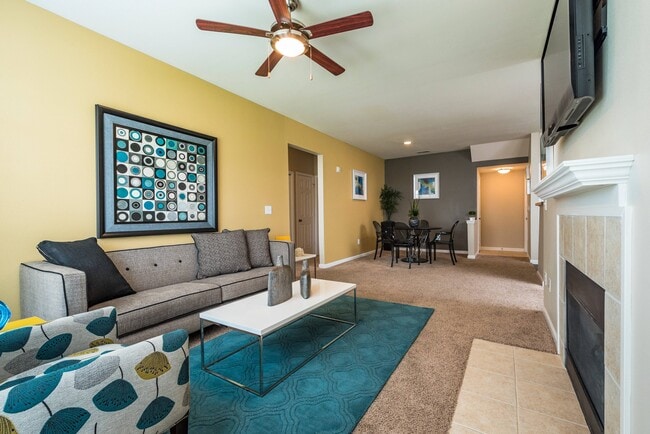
314,235
320,203
320,200
526,197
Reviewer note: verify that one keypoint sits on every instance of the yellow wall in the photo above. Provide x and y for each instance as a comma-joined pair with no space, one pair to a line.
53,73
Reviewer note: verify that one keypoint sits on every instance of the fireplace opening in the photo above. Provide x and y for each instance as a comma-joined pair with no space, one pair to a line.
585,363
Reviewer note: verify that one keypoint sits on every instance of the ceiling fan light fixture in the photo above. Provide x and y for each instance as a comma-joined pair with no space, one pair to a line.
504,170
289,42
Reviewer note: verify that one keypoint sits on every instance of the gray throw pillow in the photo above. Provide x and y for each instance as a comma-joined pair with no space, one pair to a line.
221,253
259,248
103,281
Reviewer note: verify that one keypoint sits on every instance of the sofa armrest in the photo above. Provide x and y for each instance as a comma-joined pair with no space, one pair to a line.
51,291
286,250
140,388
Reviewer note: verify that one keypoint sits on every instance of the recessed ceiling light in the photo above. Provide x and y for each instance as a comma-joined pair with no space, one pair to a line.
504,170
408,142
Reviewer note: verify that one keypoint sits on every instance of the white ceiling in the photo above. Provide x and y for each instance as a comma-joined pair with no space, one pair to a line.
446,74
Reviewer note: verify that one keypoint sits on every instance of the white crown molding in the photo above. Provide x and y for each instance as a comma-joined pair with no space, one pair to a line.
577,176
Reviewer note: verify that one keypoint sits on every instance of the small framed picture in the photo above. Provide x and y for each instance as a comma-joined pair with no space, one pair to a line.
426,186
359,185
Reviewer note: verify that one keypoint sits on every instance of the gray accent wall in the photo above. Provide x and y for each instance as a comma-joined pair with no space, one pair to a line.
457,188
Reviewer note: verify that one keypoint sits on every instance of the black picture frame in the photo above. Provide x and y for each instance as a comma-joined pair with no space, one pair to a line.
153,178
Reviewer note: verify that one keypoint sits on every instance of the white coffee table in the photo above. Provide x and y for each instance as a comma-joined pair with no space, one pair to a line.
252,315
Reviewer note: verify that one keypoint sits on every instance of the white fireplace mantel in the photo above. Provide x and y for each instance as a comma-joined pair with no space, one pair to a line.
577,176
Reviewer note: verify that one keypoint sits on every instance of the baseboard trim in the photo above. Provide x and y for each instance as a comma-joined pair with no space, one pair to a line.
344,260
553,331
503,249
534,262
372,252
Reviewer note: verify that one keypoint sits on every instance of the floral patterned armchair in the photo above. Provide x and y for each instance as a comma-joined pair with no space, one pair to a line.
70,375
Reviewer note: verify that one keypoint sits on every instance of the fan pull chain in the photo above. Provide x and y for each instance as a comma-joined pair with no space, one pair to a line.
311,76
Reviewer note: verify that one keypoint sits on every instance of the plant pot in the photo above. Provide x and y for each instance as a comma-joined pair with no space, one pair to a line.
414,222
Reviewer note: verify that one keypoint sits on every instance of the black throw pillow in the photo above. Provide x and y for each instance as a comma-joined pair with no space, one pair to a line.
103,281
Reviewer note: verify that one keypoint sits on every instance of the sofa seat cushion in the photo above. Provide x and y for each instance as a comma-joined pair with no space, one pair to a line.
70,362
240,284
154,306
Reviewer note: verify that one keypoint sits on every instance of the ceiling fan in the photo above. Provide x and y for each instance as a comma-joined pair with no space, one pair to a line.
290,37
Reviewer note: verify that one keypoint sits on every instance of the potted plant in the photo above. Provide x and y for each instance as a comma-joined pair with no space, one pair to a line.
471,215
414,213
389,199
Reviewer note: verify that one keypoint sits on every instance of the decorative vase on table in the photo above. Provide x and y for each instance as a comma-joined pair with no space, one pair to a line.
414,213
279,283
305,280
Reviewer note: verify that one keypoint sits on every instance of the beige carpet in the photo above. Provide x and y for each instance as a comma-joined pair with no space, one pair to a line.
494,298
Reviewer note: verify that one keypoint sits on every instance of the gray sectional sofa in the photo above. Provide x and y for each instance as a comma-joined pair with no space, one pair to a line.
167,293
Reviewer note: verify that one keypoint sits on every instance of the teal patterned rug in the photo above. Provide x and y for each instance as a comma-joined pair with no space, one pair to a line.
329,394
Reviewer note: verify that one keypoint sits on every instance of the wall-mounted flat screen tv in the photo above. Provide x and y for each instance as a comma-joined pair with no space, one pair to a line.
568,85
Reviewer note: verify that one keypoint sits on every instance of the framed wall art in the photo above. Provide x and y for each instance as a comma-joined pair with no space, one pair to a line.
359,185
153,178
426,186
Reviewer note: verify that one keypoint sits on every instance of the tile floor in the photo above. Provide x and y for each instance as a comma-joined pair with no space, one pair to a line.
515,390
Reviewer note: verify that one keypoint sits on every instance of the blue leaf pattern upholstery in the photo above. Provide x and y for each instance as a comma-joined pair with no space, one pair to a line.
26,395
55,347
70,375
10,342
116,396
68,420
155,412
102,326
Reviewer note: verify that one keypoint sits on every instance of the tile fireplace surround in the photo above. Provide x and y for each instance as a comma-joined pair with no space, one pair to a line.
592,228
593,245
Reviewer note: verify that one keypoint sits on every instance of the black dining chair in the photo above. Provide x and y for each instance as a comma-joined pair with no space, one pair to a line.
380,245
405,236
397,235
444,237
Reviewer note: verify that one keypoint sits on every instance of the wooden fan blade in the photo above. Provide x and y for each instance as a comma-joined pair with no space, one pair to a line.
213,26
280,11
324,61
345,24
269,64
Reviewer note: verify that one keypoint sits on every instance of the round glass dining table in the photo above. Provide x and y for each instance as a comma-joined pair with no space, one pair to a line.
419,235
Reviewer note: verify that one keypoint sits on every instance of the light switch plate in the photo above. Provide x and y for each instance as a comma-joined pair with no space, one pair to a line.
268,209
